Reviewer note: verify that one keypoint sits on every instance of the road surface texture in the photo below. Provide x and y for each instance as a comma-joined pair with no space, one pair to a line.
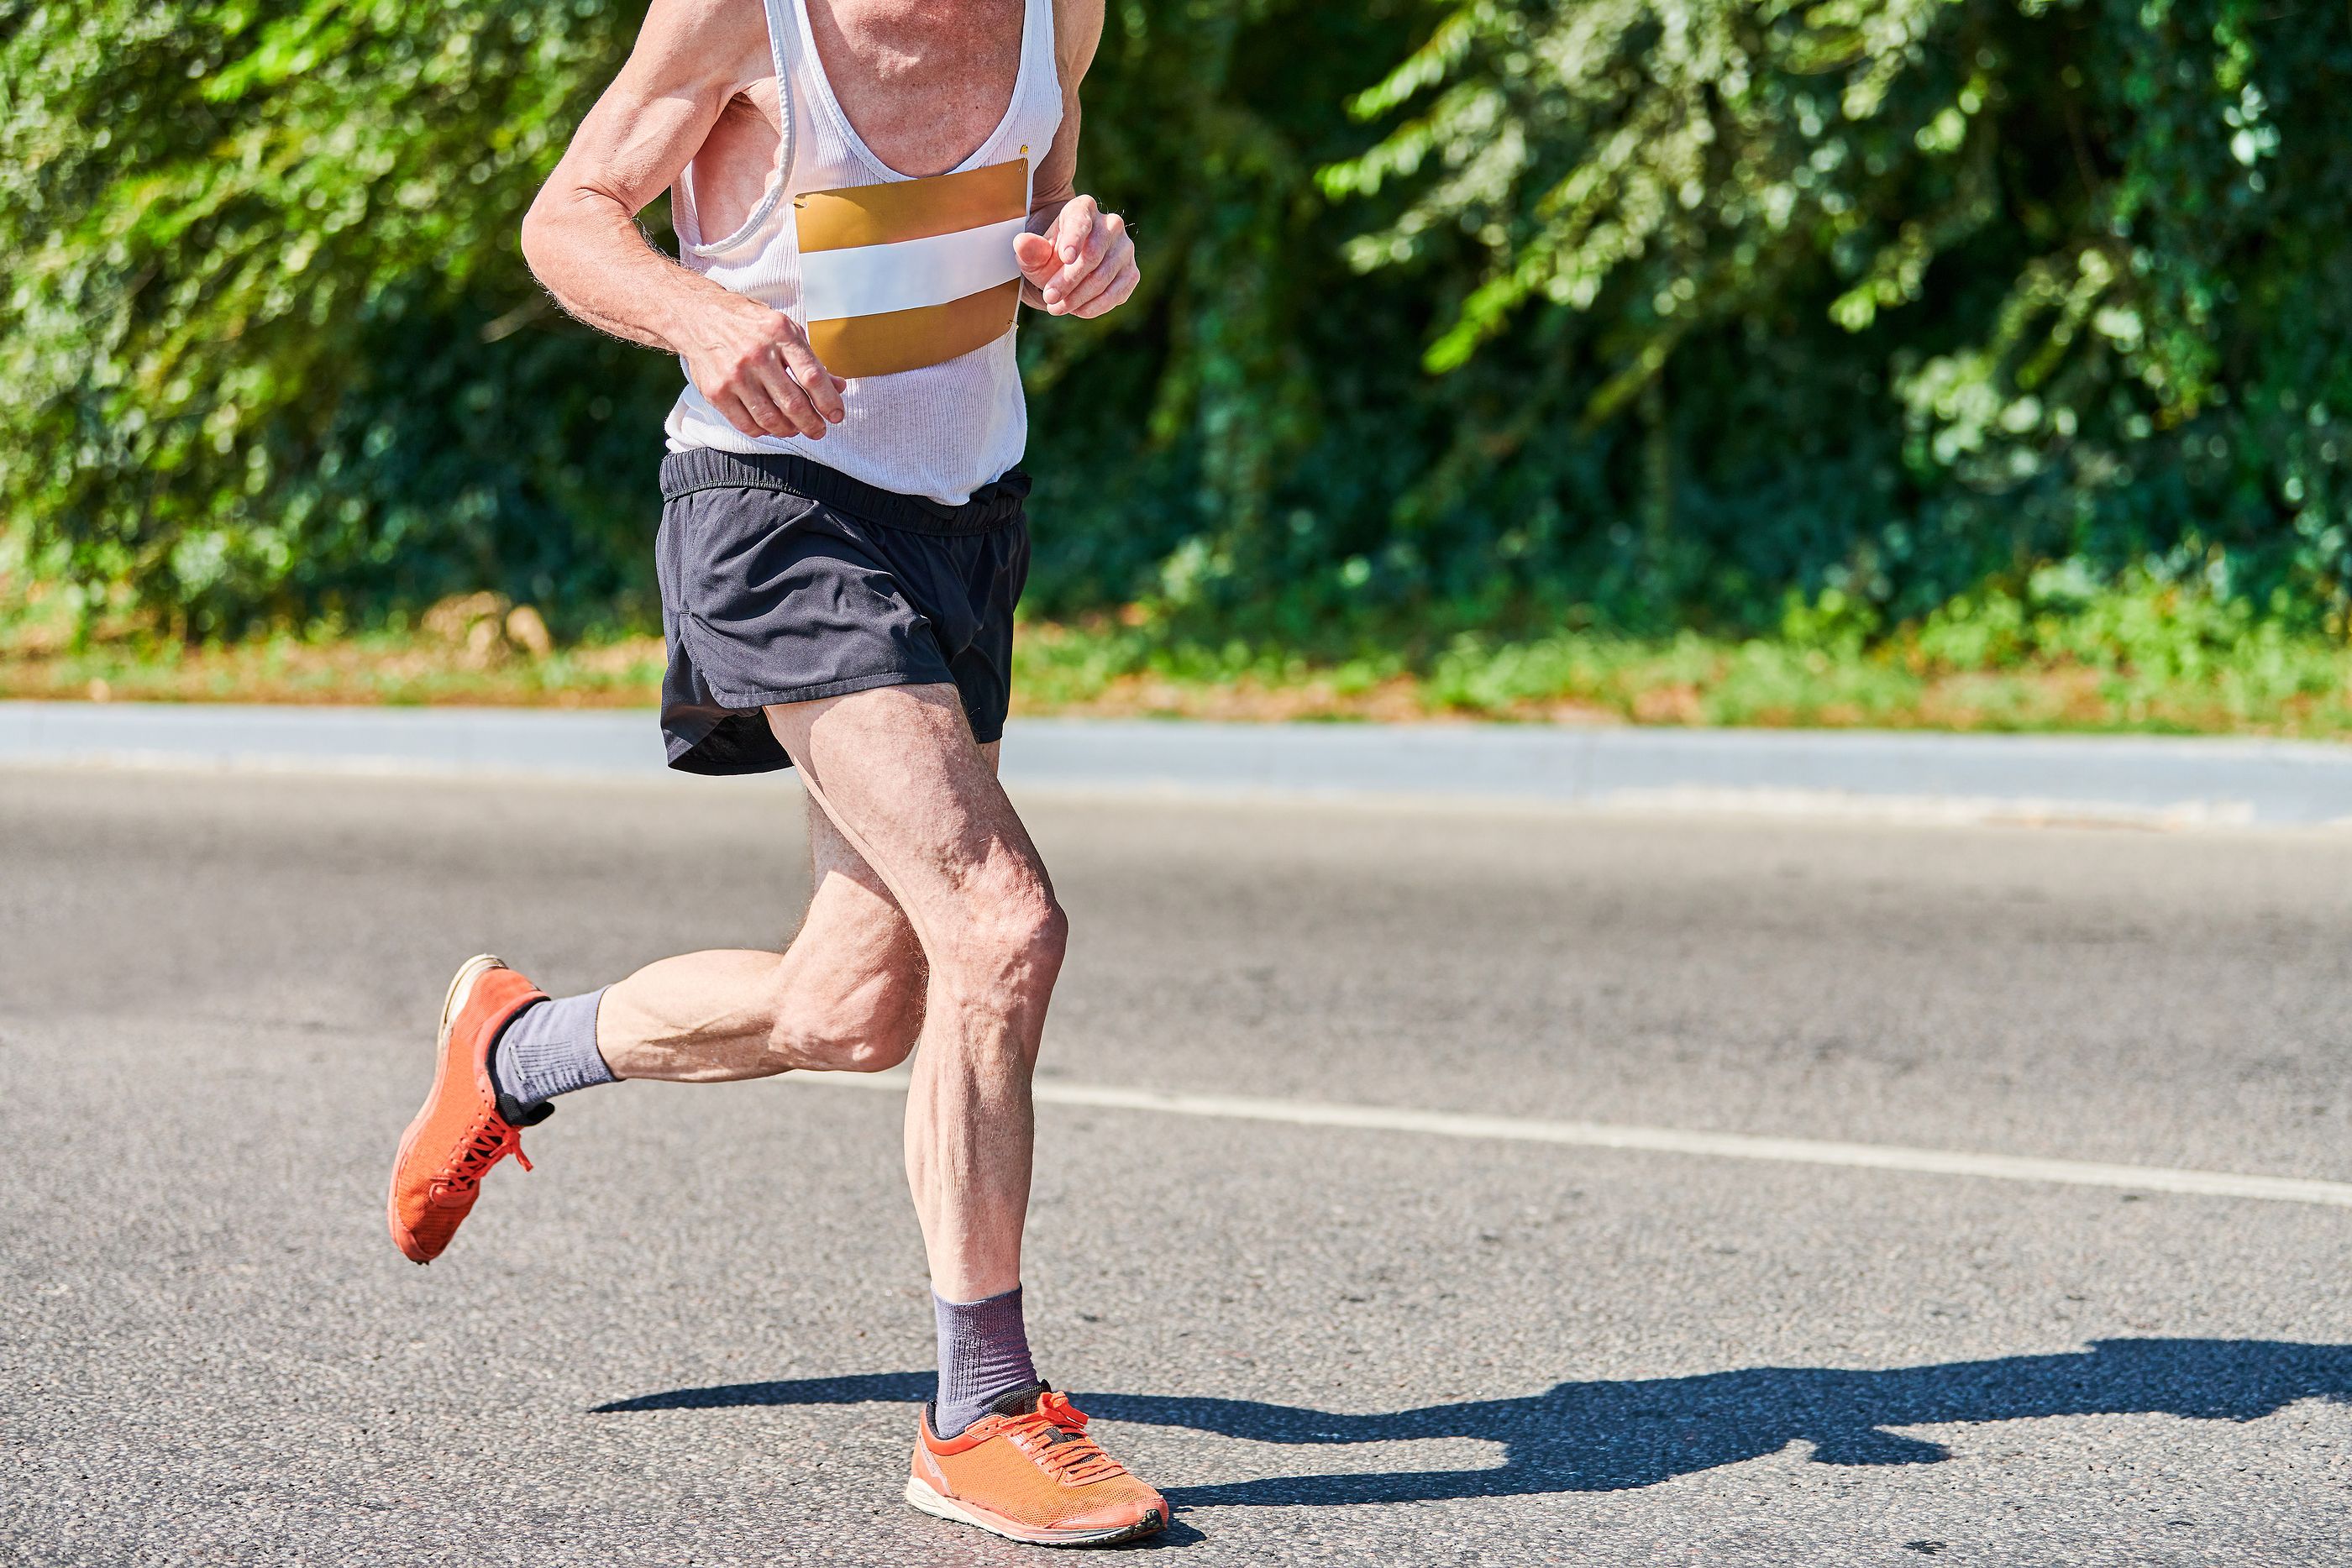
693,1336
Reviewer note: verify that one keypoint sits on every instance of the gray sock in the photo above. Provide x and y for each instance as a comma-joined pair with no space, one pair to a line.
549,1049
983,1356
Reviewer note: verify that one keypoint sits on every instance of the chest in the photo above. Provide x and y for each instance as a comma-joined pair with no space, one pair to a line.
922,82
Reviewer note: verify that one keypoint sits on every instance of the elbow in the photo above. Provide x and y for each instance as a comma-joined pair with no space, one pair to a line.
550,229
539,241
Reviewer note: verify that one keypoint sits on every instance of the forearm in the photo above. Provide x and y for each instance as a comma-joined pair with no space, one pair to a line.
692,59
589,252
1076,258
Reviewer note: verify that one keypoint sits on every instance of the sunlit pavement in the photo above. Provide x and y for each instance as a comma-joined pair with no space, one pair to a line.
693,1336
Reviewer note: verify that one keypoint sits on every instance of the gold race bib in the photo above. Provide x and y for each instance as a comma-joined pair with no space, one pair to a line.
911,272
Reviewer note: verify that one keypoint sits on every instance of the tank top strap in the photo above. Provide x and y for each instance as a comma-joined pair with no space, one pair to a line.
783,52
1037,35
1035,120
782,48
784,25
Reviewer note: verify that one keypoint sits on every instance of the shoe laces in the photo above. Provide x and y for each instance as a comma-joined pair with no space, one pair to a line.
1054,1436
492,1140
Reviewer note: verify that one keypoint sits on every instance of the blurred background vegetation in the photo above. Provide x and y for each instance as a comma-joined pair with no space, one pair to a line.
1498,348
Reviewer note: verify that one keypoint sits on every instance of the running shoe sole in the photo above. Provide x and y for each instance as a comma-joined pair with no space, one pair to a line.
920,1494
472,969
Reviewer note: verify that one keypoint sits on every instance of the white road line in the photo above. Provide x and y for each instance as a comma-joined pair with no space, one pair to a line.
1671,1140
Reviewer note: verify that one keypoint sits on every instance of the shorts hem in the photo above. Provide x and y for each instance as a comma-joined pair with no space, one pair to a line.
699,644
753,702
686,754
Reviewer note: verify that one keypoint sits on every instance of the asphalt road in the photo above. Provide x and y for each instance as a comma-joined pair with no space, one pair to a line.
693,1335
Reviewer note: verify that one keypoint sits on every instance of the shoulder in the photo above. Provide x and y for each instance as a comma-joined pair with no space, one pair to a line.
1077,31
706,41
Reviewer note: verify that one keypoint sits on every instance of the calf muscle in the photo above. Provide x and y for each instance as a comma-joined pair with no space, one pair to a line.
845,994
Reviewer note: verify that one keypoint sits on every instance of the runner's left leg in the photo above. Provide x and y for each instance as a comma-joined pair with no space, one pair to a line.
897,770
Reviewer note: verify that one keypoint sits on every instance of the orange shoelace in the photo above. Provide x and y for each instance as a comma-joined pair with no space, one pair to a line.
491,1141
1055,1438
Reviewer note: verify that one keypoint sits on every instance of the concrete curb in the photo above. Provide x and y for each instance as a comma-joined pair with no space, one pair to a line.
2142,781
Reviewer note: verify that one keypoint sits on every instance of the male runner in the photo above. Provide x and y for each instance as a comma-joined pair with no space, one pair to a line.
863,190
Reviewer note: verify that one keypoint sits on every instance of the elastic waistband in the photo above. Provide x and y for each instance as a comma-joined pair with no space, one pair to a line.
707,468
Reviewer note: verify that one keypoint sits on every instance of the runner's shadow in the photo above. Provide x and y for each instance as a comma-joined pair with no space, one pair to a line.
863,1388
1612,1436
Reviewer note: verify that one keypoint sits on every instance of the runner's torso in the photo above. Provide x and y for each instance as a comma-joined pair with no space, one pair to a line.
902,290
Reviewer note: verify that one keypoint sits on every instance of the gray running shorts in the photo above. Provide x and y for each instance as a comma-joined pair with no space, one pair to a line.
782,580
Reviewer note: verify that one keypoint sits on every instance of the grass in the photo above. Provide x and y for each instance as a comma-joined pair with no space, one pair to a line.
2059,654
2139,657
401,669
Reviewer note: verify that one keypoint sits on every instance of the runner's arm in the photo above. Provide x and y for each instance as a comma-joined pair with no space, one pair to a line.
582,239
1075,259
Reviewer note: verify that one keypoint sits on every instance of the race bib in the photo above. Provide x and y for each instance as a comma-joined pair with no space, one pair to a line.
911,272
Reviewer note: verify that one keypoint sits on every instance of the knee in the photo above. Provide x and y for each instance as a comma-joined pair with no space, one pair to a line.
1012,938
1038,931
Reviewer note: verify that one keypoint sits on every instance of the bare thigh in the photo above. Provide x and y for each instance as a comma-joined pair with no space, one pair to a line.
855,973
852,892
908,815
853,930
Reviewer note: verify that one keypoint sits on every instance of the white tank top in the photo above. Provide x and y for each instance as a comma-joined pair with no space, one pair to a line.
913,290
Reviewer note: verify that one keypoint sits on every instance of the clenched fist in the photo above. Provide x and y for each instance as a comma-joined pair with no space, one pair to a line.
1082,265
758,371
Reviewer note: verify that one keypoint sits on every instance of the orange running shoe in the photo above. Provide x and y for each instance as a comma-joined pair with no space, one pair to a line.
462,1129
1028,1470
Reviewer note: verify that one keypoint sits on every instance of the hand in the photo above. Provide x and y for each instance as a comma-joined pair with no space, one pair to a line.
758,371
1083,264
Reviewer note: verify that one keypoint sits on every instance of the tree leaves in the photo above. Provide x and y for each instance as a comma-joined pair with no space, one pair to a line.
1456,313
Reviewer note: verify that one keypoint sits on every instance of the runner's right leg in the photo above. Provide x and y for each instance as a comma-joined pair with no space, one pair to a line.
847,994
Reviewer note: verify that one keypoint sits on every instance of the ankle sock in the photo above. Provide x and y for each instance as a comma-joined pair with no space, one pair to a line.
549,1049
983,1355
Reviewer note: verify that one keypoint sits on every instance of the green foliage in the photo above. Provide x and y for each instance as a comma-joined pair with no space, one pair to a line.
1897,294
259,344
1619,313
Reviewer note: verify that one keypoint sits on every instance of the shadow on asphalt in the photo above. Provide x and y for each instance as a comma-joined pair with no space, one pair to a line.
1609,1437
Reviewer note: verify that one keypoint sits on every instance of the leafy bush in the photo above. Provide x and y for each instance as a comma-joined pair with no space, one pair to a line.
1885,296
1615,313
258,341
